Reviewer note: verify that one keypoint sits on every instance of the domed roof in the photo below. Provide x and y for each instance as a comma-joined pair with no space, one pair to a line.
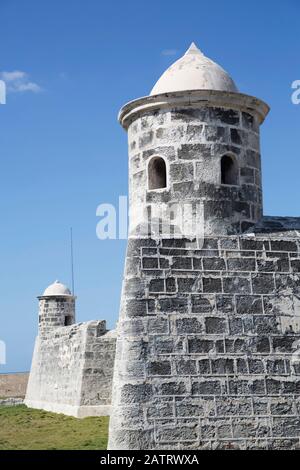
57,288
194,71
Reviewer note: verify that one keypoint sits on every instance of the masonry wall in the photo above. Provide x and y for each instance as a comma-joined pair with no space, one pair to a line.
72,370
207,353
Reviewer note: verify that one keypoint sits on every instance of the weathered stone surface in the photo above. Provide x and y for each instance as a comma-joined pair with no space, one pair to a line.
72,366
222,350
193,154
220,345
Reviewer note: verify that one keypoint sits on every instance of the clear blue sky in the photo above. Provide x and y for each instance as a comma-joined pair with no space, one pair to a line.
63,152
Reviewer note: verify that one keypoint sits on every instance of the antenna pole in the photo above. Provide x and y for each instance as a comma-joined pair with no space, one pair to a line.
72,260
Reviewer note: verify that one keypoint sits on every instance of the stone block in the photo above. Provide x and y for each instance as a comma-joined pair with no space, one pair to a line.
204,367
159,368
136,393
186,285
233,406
194,151
190,325
222,366
173,304
181,263
150,263
157,285
186,367
239,137
249,122
136,307
207,387
170,285
249,304
215,325
213,264
158,325
226,116
172,388
216,134
241,264
194,132
263,283
202,304
212,284
256,366
225,303
146,139
236,285
284,245
247,387
181,172
200,346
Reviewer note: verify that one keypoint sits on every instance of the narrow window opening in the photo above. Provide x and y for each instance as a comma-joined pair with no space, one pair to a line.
157,173
68,320
229,170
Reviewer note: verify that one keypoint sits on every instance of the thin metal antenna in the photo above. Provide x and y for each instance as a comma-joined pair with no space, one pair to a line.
72,260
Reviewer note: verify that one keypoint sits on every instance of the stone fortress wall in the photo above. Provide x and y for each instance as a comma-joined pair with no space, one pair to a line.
72,365
208,333
72,370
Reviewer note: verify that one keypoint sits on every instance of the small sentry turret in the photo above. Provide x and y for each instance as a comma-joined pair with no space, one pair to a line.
56,307
194,151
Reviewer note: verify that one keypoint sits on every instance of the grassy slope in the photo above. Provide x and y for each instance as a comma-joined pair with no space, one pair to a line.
24,428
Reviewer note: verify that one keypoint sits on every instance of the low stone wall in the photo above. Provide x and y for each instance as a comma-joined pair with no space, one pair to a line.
13,385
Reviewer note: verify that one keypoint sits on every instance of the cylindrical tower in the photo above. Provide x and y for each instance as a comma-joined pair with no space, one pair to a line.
194,152
56,307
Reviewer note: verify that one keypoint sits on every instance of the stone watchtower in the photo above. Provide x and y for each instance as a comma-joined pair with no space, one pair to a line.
209,322
72,364
56,307
194,151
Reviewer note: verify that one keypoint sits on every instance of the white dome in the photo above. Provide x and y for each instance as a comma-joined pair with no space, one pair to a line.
194,71
57,288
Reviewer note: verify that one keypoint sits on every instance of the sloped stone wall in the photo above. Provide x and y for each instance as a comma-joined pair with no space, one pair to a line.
207,348
72,370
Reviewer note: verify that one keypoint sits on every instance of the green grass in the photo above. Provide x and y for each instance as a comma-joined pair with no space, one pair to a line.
25,428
